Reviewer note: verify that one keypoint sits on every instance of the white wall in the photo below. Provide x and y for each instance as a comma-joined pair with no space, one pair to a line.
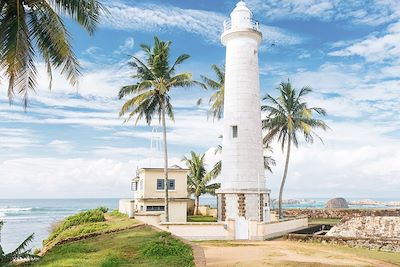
201,231
275,229
126,206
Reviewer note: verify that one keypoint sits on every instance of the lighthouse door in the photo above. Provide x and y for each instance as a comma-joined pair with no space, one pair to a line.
241,229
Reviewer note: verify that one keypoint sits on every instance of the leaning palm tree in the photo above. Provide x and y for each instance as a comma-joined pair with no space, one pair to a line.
216,100
32,28
150,94
198,178
288,115
20,253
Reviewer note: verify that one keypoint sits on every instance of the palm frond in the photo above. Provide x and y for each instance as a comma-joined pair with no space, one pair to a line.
85,12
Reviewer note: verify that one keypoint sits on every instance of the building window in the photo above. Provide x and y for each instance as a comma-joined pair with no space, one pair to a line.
134,186
161,182
171,184
155,208
234,131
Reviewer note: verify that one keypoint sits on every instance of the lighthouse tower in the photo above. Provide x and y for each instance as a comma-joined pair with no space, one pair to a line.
243,193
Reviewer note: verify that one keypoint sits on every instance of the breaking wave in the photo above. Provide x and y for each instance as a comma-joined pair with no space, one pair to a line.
5,210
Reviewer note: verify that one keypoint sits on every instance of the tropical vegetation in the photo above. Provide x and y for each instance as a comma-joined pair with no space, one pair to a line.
288,115
199,178
84,217
122,243
20,253
155,78
30,29
216,100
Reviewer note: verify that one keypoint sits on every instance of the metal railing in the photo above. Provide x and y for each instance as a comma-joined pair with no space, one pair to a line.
254,25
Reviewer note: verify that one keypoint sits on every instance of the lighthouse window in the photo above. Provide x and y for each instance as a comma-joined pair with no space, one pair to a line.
234,131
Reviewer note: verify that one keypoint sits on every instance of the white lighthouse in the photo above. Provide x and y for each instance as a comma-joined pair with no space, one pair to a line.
243,193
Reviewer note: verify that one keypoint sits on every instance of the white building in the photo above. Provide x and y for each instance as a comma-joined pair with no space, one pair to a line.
243,192
149,194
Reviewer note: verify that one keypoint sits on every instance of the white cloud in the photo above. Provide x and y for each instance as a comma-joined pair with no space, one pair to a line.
357,160
206,24
61,145
375,47
35,177
126,46
329,77
375,12
191,128
17,138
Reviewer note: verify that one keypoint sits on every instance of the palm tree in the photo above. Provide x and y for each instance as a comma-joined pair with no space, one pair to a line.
216,101
199,178
32,27
289,115
155,79
20,253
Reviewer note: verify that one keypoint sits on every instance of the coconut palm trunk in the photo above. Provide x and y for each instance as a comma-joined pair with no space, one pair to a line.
280,210
197,205
165,162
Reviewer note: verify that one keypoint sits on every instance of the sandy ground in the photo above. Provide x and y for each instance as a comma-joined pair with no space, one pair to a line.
280,253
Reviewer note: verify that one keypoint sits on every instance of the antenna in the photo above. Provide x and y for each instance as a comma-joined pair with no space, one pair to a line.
155,144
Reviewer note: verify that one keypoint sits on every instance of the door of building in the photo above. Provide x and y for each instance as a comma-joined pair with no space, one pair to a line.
241,229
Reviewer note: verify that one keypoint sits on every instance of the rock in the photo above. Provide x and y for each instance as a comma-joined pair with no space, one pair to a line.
337,203
368,227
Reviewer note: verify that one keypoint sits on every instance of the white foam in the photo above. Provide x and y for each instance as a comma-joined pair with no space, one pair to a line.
3,210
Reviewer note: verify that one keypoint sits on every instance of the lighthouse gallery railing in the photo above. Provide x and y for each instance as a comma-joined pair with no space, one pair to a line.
255,25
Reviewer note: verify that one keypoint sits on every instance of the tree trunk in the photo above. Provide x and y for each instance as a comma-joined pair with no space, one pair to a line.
165,162
284,178
197,205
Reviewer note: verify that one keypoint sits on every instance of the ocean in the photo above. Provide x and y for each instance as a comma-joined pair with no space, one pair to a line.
23,217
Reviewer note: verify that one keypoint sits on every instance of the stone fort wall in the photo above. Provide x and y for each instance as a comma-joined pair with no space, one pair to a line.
340,213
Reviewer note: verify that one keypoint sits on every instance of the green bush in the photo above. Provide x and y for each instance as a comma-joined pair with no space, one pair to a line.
103,209
111,260
90,216
167,246
116,213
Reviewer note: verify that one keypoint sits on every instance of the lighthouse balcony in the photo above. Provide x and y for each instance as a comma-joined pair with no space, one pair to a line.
252,25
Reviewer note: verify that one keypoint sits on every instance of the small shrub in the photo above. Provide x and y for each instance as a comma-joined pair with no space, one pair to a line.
111,260
116,213
90,216
167,246
103,209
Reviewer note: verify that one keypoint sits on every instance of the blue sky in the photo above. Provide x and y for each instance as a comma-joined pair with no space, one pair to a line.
71,143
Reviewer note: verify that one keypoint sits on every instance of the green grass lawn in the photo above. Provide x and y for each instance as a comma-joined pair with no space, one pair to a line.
330,221
200,218
127,246
124,248
112,220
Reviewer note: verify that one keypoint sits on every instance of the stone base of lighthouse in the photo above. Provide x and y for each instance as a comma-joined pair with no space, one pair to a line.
251,205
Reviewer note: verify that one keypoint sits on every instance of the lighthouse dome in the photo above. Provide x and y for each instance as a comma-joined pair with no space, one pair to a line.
241,16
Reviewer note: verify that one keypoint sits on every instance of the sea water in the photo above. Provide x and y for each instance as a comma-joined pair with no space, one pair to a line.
23,217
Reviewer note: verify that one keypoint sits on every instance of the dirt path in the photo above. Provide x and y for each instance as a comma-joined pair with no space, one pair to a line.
281,253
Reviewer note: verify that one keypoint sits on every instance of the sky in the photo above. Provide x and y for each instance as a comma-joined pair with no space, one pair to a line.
71,143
